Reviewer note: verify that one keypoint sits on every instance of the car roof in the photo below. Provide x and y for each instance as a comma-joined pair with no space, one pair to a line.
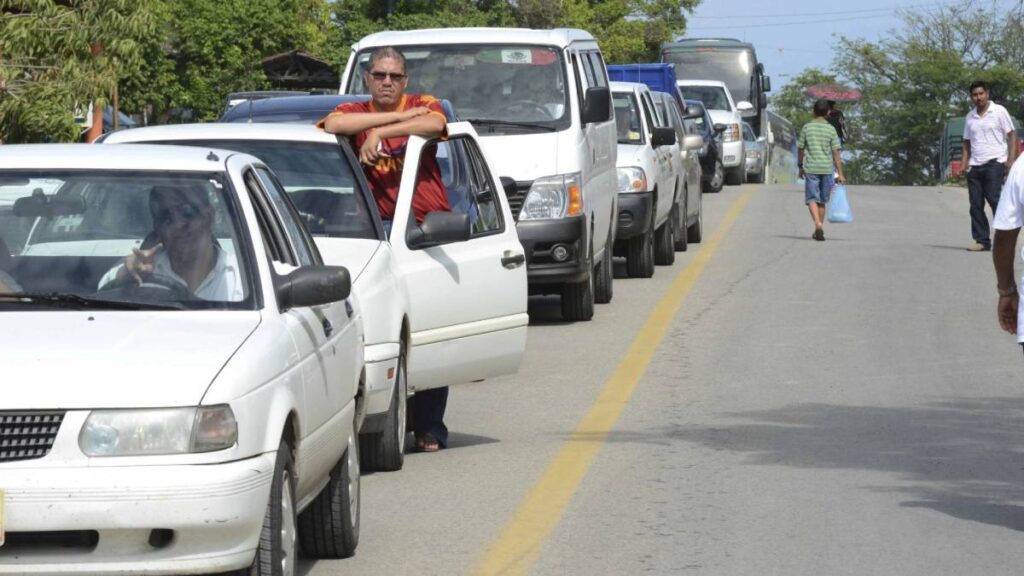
628,86
557,37
223,131
287,104
128,157
690,82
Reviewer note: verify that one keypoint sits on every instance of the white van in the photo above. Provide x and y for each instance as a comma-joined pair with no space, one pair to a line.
719,103
540,102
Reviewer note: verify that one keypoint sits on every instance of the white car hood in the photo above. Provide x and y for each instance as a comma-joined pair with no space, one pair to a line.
103,359
522,156
351,253
630,155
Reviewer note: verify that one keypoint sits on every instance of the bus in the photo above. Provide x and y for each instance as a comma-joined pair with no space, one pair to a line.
730,61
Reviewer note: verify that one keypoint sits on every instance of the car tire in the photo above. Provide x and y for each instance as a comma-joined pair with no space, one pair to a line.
717,178
695,231
603,289
578,297
734,177
679,216
277,550
640,254
665,240
762,175
385,450
329,528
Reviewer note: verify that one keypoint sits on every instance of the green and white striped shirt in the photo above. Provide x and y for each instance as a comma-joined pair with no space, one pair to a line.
818,139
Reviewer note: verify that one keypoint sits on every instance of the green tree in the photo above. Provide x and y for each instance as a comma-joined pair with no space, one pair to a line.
58,56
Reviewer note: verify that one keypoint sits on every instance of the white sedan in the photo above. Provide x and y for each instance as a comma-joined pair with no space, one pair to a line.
450,309
180,368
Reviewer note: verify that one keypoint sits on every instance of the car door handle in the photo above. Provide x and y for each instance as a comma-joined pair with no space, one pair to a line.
328,327
510,260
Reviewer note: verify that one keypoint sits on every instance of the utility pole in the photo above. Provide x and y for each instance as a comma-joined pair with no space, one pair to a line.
97,111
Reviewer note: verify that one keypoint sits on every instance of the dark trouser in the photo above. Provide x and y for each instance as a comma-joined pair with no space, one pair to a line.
427,410
983,185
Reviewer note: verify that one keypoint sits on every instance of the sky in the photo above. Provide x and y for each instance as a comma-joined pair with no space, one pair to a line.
792,35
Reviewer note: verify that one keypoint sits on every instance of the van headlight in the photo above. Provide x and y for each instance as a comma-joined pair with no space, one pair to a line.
732,133
553,197
149,432
632,179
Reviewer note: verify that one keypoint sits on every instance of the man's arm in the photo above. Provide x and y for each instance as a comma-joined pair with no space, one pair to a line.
1011,152
352,123
427,125
800,161
1004,245
838,160
965,157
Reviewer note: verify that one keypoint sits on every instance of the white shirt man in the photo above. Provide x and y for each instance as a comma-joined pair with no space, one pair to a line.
987,134
222,284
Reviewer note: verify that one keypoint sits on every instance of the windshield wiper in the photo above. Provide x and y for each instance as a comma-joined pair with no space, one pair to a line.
492,122
79,301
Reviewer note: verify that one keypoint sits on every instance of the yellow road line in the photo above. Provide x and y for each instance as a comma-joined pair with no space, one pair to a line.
521,540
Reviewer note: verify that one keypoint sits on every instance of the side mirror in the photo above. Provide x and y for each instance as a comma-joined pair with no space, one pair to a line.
764,100
438,228
313,286
693,142
41,205
693,112
719,128
509,185
744,106
597,105
663,137
762,139
766,84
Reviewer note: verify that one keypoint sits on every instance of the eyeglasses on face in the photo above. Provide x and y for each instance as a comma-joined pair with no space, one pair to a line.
382,76
184,212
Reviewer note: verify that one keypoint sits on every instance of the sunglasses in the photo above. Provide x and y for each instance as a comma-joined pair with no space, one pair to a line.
382,76
184,212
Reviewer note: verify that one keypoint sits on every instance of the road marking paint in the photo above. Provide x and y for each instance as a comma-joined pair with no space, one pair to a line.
519,545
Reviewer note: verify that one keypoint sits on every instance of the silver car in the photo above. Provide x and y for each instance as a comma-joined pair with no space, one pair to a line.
755,155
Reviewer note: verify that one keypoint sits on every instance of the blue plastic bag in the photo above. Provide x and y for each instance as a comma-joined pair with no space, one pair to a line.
839,207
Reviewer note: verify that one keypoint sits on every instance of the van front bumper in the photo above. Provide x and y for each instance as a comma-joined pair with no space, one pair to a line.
543,241
634,214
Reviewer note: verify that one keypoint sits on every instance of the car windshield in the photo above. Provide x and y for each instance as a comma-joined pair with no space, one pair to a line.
318,179
487,82
713,97
238,115
65,235
627,118
748,133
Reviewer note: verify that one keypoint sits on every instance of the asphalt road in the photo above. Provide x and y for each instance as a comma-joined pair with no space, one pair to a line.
846,407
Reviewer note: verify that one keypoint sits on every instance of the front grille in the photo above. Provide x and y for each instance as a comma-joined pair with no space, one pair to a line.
27,435
516,199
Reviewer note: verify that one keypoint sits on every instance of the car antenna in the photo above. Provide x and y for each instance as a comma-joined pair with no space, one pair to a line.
250,110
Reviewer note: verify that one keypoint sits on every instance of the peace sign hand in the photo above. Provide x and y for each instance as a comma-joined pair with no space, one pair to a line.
141,262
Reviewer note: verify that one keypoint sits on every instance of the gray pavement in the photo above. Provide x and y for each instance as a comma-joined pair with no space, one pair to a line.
846,407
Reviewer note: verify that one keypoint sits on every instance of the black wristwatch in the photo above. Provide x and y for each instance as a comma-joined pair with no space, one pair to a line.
1011,290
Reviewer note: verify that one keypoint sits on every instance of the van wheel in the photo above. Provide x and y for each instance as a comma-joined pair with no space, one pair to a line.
578,298
385,451
276,553
680,219
605,275
695,232
734,177
329,528
640,254
717,177
665,240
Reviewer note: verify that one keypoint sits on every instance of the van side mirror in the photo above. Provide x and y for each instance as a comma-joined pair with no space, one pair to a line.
663,137
597,106
313,286
766,84
744,106
693,112
719,128
693,142
439,227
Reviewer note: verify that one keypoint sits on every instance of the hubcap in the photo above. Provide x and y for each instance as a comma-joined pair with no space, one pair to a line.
353,479
288,532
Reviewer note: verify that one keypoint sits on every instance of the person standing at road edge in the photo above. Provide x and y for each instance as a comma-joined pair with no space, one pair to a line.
380,131
819,145
1008,219
989,149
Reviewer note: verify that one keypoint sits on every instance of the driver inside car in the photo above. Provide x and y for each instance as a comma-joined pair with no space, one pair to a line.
186,256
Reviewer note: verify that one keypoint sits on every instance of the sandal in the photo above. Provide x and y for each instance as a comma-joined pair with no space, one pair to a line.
427,443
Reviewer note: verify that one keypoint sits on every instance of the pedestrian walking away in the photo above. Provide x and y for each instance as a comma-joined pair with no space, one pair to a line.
820,164
380,131
1008,220
989,149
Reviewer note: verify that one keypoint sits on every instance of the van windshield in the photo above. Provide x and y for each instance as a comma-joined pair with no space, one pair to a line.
523,85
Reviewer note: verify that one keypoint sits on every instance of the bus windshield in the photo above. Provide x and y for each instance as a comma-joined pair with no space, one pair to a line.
525,85
734,67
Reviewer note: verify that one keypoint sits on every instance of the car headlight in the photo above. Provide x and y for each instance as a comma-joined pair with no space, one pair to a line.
149,432
732,133
632,179
553,197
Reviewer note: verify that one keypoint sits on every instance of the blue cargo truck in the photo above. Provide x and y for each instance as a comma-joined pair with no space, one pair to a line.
658,76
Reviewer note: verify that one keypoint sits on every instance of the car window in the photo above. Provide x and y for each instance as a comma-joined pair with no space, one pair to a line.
484,210
469,187
713,97
748,133
68,232
627,118
649,114
318,178
287,216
